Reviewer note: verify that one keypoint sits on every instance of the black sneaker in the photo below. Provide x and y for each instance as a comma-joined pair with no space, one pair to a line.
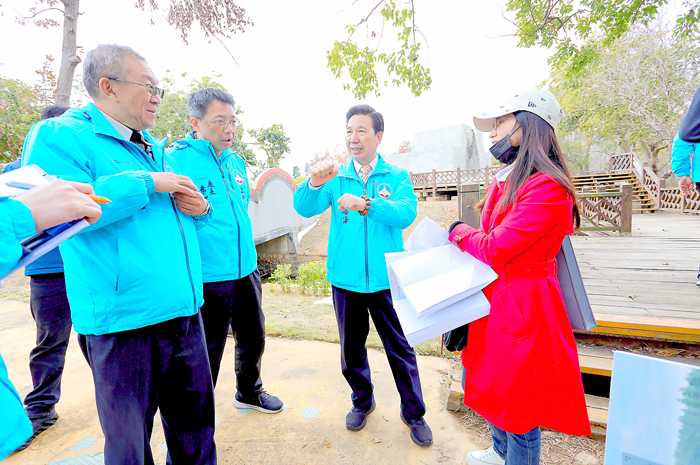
39,425
420,431
261,401
357,418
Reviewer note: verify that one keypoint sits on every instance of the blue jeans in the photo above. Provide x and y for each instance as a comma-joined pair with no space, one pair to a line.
517,449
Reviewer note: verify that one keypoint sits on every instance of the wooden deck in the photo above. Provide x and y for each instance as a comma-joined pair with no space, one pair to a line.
643,285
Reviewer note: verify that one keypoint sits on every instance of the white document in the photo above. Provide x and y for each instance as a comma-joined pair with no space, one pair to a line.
428,234
436,287
30,174
44,241
421,329
435,278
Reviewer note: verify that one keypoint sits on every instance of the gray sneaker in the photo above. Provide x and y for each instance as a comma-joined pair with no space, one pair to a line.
261,401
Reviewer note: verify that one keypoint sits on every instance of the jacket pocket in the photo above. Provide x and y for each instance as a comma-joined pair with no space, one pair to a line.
513,315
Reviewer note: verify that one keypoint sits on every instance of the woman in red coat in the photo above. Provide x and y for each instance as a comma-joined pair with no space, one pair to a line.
521,363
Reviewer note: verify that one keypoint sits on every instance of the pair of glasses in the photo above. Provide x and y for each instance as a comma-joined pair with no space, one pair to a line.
500,120
153,90
221,123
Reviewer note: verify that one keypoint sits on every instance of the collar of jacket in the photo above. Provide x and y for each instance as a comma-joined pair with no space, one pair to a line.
202,146
102,126
348,170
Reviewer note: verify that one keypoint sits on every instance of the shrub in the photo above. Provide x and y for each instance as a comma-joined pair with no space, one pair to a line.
312,277
282,278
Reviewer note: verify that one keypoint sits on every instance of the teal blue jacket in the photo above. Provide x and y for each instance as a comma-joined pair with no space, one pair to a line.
357,244
16,224
226,244
680,159
139,264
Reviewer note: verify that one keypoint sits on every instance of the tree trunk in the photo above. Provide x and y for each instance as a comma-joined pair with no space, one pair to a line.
69,56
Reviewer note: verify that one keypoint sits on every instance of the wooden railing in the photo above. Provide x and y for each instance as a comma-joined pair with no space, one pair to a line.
669,199
448,179
607,211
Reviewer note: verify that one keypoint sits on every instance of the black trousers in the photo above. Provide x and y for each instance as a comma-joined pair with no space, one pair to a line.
352,311
238,303
162,366
51,312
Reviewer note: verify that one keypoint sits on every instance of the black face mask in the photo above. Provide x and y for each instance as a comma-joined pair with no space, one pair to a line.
503,151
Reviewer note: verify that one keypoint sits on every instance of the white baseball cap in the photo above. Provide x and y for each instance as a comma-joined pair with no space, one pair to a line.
538,101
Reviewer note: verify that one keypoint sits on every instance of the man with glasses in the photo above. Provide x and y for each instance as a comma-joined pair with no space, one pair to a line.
232,288
134,278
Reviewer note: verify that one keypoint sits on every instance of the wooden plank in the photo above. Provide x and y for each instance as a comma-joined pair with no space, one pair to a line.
595,365
676,325
597,402
598,416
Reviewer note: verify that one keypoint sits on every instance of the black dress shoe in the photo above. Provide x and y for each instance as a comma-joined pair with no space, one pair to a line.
420,431
39,425
357,418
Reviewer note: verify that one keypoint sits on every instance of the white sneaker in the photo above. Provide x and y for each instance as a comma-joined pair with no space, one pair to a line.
484,457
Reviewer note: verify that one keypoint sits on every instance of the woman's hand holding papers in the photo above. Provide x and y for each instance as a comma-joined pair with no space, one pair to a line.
60,202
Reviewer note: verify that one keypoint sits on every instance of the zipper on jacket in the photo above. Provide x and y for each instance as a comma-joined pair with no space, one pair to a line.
235,215
184,242
364,218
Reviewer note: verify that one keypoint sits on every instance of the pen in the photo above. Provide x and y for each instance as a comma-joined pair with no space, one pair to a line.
26,185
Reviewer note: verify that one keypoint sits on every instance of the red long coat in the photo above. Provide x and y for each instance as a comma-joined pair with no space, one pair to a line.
521,360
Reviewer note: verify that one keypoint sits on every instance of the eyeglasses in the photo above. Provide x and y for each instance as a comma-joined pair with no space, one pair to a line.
153,90
221,123
500,120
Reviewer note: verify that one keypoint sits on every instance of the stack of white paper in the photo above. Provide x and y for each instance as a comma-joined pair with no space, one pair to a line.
436,287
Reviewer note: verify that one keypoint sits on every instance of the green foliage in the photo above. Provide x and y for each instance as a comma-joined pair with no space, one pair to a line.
633,94
282,278
296,172
300,179
312,278
361,63
274,142
688,446
20,108
564,24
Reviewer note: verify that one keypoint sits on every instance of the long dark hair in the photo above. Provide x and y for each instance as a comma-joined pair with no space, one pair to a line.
539,152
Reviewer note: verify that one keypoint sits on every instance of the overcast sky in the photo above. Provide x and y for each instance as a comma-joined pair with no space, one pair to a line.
282,75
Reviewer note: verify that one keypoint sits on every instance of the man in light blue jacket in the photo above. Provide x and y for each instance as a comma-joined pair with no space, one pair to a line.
134,278
232,288
686,166
375,202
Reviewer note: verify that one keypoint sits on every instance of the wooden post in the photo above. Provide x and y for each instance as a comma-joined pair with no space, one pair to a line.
487,175
459,188
682,203
468,198
434,184
662,185
626,210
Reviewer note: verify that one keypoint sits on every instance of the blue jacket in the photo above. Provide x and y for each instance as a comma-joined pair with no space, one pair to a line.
357,244
16,224
680,158
49,263
226,244
139,264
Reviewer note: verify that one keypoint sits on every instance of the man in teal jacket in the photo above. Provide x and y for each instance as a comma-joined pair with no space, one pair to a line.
20,218
134,278
685,164
375,202
232,288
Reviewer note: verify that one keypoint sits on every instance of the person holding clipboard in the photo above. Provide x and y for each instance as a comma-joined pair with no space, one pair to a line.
521,363
21,217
